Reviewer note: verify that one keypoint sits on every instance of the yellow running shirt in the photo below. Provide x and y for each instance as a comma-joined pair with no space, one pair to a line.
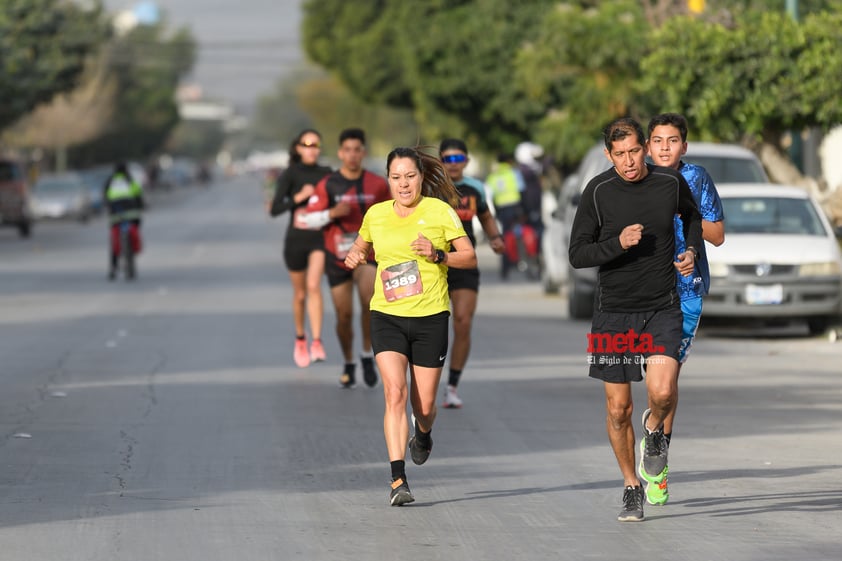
408,284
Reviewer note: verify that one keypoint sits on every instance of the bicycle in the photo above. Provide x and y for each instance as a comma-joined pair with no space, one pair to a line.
522,249
125,239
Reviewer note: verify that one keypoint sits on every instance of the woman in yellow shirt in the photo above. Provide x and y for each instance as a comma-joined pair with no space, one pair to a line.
411,236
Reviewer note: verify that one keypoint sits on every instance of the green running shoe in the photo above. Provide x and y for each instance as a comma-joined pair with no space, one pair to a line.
657,493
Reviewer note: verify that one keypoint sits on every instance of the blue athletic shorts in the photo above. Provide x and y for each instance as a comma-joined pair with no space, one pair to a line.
692,311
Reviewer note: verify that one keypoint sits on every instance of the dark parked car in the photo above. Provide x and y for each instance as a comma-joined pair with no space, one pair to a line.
14,197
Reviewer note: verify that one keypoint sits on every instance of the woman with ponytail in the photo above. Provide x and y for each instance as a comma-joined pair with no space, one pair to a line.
416,237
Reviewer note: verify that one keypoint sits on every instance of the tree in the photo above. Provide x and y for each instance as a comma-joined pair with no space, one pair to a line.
44,45
360,42
312,98
147,64
751,82
581,68
458,65
558,71
730,70
70,118
278,116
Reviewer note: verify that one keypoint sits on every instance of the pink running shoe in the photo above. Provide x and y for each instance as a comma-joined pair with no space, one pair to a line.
300,354
317,351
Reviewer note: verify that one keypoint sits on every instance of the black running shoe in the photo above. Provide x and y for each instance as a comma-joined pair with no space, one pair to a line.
417,451
369,372
400,494
654,451
632,505
348,379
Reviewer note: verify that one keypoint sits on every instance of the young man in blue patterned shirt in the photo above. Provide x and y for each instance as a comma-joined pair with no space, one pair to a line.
667,143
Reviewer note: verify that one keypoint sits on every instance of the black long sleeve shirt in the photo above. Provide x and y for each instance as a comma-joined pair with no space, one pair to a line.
641,278
289,183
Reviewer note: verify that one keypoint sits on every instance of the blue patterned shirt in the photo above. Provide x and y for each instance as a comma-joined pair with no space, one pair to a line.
710,207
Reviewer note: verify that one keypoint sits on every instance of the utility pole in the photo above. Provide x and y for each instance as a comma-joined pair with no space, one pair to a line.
796,150
805,154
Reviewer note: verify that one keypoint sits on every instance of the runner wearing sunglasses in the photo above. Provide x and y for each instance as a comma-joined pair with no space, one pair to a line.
463,284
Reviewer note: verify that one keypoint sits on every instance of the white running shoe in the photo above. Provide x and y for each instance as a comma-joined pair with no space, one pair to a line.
451,400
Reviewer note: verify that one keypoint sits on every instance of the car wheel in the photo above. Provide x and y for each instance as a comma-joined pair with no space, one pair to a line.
24,229
818,325
550,286
579,302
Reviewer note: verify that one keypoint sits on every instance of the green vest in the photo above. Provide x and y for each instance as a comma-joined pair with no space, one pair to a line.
123,198
504,185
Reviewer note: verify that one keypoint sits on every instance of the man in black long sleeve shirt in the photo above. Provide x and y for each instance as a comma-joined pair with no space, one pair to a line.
624,225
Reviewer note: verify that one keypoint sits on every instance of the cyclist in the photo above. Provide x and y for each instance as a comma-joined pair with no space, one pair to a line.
124,197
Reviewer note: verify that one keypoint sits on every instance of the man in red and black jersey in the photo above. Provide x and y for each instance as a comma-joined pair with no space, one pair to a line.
337,207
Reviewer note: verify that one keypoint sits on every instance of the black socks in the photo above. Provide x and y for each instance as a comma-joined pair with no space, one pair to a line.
398,470
453,377
422,438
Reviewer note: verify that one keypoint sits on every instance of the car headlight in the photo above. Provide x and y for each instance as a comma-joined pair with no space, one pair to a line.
823,269
718,269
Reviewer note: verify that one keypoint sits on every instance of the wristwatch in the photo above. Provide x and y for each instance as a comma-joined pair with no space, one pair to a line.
439,256
695,252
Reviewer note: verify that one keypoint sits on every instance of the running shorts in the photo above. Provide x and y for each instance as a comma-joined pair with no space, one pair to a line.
692,311
463,278
337,274
423,340
620,342
298,247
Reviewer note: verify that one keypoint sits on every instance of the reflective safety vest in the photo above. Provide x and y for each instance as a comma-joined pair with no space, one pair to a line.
124,199
505,185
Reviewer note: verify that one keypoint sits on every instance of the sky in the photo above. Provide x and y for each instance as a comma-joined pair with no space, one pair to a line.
245,46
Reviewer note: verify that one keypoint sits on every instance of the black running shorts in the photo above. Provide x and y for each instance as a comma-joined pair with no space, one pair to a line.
463,278
337,274
298,247
619,343
423,340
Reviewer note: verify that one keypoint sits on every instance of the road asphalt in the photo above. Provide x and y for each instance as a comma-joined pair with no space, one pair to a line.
164,419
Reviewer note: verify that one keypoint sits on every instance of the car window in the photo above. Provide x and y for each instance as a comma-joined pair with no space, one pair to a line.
768,215
56,186
729,170
592,165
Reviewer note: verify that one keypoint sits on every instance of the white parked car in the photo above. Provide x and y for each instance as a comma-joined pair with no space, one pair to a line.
61,196
780,259
725,163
